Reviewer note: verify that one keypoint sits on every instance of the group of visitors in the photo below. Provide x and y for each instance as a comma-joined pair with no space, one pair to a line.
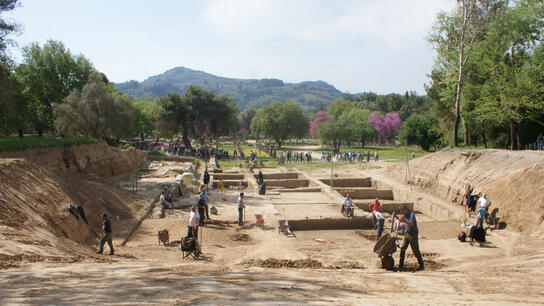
294,157
349,157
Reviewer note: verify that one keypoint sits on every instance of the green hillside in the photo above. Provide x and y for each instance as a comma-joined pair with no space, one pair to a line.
246,92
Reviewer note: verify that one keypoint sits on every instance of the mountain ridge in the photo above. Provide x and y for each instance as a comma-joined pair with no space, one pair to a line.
245,92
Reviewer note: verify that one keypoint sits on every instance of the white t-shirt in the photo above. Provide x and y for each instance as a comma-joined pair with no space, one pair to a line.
378,215
348,202
194,217
483,201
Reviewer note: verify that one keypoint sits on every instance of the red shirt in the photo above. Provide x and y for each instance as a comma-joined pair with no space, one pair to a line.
374,206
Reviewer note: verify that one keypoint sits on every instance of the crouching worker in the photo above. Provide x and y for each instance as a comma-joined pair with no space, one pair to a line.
347,206
106,235
410,236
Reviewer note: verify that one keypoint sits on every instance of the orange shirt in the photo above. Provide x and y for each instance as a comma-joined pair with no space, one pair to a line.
374,206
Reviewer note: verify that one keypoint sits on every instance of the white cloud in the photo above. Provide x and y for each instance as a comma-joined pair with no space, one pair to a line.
392,21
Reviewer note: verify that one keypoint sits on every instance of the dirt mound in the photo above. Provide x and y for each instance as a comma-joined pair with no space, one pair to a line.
275,263
98,159
512,180
240,237
35,224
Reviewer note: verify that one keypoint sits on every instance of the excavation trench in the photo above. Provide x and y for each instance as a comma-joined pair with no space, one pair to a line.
331,224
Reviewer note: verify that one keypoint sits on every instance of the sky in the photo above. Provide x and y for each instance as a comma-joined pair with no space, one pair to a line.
355,45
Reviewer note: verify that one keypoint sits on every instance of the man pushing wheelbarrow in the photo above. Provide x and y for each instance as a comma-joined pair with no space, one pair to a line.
386,245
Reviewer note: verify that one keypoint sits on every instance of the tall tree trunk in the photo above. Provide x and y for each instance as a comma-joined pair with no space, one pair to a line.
466,136
512,137
518,136
484,138
458,100
185,136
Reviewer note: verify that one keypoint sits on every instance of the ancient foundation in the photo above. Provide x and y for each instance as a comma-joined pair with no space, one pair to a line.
331,224
349,182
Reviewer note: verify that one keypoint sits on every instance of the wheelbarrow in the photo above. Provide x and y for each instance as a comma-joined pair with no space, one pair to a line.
385,247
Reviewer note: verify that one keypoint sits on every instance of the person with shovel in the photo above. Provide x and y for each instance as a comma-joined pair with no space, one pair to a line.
410,236
241,208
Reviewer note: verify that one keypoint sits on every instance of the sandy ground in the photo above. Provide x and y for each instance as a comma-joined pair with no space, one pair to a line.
508,270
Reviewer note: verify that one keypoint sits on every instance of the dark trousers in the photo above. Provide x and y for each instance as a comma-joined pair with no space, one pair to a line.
240,216
103,240
380,227
412,240
201,212
192,232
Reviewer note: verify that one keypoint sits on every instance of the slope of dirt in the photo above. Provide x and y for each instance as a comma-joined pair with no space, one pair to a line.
512,180
35,224
98,159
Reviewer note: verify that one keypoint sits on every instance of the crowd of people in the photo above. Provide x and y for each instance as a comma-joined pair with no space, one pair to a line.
350,157
294,157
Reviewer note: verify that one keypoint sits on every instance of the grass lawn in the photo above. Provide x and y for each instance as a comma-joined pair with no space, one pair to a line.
18,144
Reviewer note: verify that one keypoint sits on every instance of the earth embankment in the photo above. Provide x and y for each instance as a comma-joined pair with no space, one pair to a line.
514,181
98,159
36,189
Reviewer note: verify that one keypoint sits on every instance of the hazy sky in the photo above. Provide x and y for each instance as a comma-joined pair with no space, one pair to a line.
359,45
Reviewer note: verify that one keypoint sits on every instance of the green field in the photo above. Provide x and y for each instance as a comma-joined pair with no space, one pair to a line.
18,144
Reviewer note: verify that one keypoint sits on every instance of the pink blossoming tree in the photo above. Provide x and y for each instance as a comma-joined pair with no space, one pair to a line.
388,126
321,117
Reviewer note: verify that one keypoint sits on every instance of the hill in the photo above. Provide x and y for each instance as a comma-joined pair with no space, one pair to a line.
246,92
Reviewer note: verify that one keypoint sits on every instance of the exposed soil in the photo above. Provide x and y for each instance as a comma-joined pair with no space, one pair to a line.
45,260
240,237
275,263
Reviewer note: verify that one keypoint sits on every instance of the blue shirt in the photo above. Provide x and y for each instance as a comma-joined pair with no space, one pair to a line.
411,216
205,196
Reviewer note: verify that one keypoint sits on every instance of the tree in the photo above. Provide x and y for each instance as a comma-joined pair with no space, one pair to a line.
146,115
419,130
49,74
332,132
6,28
94,112
280,122
174,117
388,126
245,120
359,126
454,36
321,116
340,106
512,63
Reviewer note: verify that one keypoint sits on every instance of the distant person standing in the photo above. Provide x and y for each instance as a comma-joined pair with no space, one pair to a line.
106,235
194,220
411,233
381,222
413,155
374,207
201,204
376,156
241,207
205,196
